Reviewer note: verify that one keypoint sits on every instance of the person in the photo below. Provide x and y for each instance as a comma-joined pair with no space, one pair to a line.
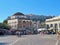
58,35
19,34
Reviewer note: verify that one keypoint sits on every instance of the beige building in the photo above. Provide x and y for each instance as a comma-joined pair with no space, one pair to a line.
19,21
53,24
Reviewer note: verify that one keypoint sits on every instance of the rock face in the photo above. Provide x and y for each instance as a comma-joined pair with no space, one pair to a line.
41,18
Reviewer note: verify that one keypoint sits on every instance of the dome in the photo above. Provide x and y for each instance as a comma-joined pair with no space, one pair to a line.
18,13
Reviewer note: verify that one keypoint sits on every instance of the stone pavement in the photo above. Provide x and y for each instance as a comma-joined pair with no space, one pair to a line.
6,40
37,40
29,40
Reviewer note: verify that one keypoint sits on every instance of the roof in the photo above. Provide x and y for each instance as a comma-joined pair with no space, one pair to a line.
18,13
55,18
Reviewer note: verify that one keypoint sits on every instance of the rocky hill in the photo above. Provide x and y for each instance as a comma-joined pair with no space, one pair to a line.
41,18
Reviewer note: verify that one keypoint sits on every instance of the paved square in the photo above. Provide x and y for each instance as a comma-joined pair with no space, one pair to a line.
29,40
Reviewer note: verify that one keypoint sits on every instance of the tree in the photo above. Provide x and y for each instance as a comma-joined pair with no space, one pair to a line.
35,19
4,26
43,24
5,22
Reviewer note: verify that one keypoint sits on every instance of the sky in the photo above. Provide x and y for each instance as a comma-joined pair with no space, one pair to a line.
38,7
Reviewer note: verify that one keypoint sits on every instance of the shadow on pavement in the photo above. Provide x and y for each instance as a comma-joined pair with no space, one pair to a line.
3,43
3,35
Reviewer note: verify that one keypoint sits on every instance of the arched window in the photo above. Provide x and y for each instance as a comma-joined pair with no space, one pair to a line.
51,25
23,21
47,26
56,27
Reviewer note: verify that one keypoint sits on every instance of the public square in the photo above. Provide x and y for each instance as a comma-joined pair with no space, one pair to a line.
29,40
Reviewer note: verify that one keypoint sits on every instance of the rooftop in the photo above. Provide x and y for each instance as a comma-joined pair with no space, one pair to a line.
55,18
18,13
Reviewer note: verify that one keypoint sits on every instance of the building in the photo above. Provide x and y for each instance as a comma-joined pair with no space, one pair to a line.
19,21
53,24
36,25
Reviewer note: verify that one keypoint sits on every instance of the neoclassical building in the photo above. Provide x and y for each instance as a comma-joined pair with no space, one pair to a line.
53,24
19,21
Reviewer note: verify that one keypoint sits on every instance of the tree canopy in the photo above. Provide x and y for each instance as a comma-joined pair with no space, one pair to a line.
4,25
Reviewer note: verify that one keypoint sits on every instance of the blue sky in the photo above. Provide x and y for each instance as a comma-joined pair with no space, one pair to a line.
39,7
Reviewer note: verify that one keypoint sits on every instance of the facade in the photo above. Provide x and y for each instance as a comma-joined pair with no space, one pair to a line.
19,21
36,25
53,24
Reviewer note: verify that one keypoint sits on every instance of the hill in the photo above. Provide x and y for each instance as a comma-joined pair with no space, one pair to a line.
41,18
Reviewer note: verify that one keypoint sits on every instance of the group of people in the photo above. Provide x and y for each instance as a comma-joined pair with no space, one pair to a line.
18,34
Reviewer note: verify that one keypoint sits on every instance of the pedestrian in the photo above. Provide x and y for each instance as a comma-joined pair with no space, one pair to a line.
19,34
58,36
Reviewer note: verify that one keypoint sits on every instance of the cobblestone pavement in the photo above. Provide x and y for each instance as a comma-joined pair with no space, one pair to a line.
29,40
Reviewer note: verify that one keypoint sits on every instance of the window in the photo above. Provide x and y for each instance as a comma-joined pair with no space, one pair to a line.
20,26
15,25
51,25
47,26
23,21
24,26
17,17
19,20
56,27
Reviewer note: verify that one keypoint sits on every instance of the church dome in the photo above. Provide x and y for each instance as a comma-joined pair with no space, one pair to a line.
18,13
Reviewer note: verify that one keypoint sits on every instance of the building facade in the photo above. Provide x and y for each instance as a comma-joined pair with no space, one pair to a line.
19,21
36,25
53,24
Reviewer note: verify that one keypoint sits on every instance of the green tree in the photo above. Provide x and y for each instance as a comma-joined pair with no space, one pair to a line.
43,24
4,25
35,19
5,22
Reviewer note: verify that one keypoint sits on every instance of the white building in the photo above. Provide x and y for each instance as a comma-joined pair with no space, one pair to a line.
53,24
19,21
